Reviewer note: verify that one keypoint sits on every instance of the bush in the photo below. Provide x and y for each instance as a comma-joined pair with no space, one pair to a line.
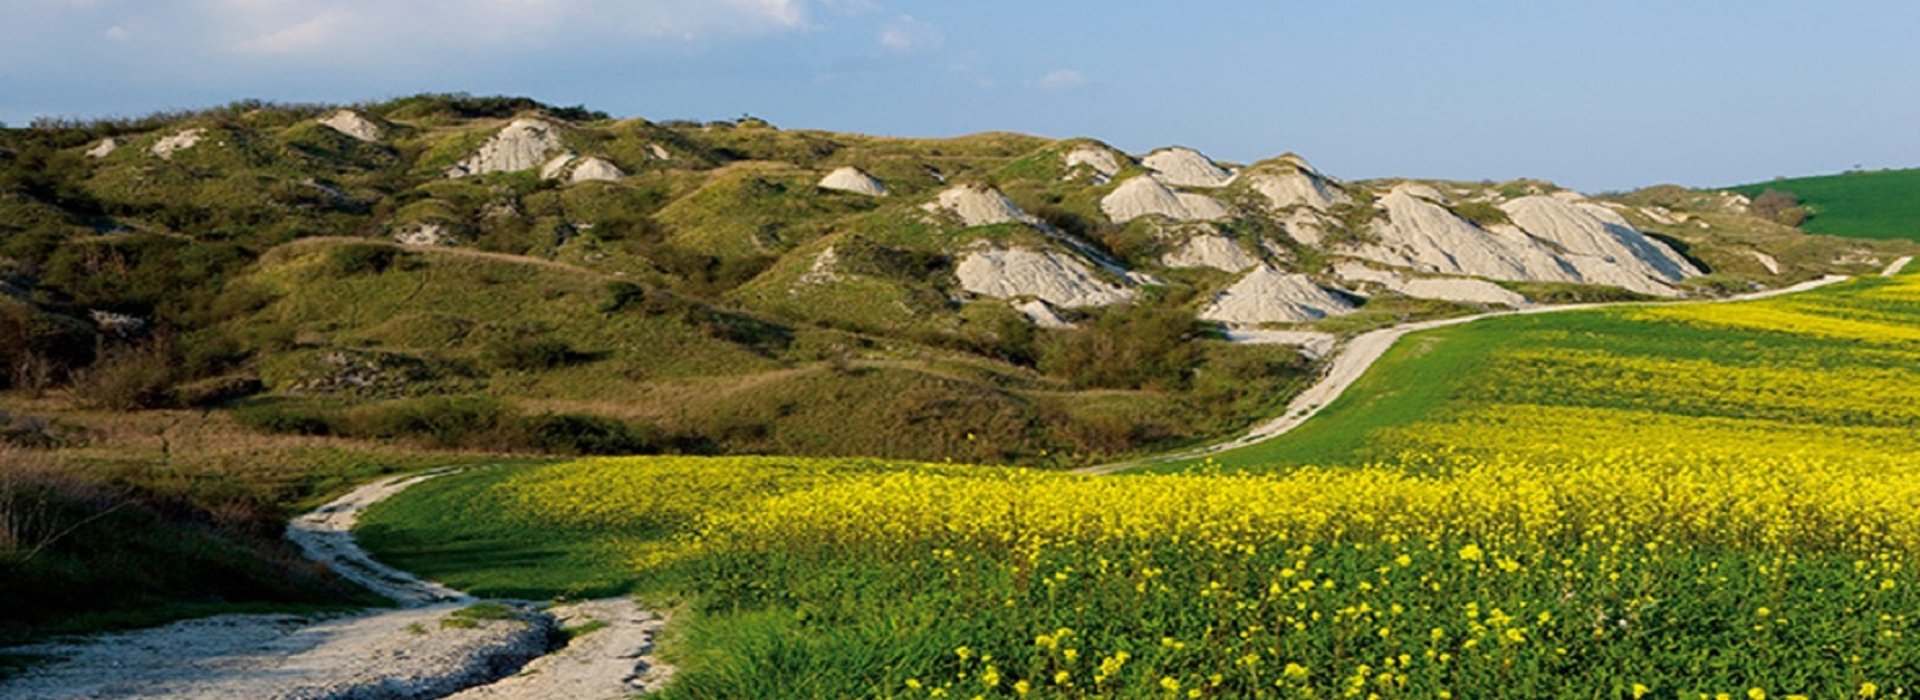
448,421
1779,206
129,378
530,354
1484,214
1141,347
361,259
571,433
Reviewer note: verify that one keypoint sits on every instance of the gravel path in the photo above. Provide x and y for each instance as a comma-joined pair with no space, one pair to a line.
421,650
1896,266
1351,360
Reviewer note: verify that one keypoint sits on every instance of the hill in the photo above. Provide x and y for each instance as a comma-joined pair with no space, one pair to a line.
1867,204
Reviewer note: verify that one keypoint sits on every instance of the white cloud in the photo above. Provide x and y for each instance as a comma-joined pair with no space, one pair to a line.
118,33
906,34
1063,79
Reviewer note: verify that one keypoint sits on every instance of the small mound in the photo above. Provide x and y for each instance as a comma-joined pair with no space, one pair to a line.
1186,167
1145,196
1210,250
1584,228
523,144
855,180
1298,187
1267,295
1102,161
104,148
592,169
167,146
979,205
557,168
1056,278
349,122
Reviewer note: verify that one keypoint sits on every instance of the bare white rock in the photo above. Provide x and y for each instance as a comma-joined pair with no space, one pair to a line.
979,205
556,168
1146,196
1313,344
1056,278
1104,162
1268,295
852,179
349,122
1041,314
1766,261
1210,250
658,152
595,169
1456,289
1186,167
169,145
523,144
105,147
1300,187
1585,228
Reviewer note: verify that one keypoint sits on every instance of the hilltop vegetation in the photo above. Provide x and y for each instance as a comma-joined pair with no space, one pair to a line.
1866,204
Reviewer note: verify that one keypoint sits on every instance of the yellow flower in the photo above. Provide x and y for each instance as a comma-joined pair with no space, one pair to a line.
1471,552
1756,694
1639,691
1021,687
1868,689
1171,684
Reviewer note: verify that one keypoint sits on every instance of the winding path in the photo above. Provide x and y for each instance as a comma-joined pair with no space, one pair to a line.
412,651
1349,361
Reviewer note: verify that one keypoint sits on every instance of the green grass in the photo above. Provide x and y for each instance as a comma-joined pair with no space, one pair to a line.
1875,204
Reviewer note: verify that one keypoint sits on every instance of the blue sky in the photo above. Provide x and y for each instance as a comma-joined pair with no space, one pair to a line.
1594,96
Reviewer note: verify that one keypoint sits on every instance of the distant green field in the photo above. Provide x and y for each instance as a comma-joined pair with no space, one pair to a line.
1880,204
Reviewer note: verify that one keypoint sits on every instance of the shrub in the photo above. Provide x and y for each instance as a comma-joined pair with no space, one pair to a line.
129,378
1482,213
572,433
1130,348
530,354
1779,206
360,259
448,421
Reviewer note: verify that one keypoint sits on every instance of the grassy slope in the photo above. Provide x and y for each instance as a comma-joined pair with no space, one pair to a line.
1429,378
1877,204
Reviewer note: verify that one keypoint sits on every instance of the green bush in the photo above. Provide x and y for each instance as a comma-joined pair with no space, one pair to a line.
1139,347
530,354
361,259
1483,213
571,433
129,378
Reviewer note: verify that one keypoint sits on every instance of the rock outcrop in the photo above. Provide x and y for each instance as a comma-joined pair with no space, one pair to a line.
1296,186
169,145
424,234
105,147
523,144
349,122
1186,167
979,205
1268,295
1041,314
1103,162
1146,196
855,180
1056,278
1210,250
593,169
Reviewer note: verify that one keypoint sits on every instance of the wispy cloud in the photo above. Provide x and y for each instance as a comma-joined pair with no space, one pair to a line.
1063,79
907,34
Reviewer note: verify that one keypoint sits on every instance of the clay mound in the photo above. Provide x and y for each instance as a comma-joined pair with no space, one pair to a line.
979,205
349,122
1415,232
1102,161
1267,295
1587,229
1766,261
1304,225
1145,196
1186,167
1299,186
1455,289
104,148
658,152
1041,314
167,146
592,169
1212,251
523,144
855,180
1056,278
557,167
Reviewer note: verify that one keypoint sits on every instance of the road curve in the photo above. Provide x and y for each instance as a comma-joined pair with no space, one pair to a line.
1350,360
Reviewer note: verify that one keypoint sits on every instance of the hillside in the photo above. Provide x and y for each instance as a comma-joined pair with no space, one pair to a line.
1880,204
459,269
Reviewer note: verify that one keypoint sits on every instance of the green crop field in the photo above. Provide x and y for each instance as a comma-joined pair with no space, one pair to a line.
1877,204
